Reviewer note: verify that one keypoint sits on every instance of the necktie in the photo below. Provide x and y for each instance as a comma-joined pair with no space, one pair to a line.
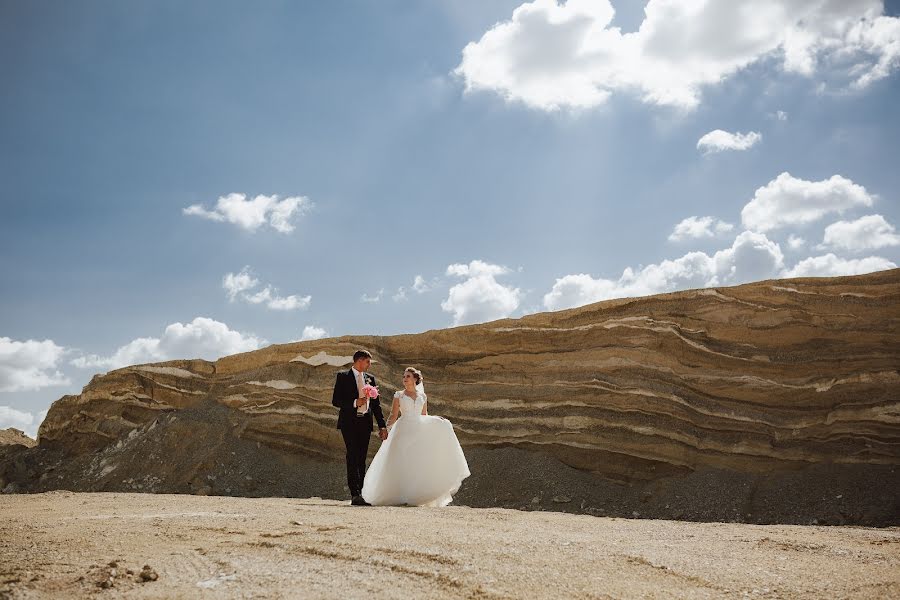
359,386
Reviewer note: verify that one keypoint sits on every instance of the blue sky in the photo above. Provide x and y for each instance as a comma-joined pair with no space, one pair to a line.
455,141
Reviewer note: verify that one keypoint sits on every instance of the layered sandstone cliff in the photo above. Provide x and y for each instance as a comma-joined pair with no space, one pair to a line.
756,381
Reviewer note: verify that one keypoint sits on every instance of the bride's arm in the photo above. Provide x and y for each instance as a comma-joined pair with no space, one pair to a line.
425,408
395,409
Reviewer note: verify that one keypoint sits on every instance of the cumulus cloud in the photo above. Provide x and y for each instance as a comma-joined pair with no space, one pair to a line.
830,265
254,213
268,296
419,286
238,285
866,233
795,242
719,140
787,200
30,365
311,332
550,55
11,417
201,338
235,283
751,257
784,202
23,420
480,297
373,298
699,227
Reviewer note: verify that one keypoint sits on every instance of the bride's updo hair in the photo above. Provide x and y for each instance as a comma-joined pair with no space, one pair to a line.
415,373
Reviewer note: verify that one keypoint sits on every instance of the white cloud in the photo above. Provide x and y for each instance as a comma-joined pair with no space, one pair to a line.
374,298
11,417
551,56
311,332
699,227
476,268
23,420
866,233
419,286
879,39
235,283
271,299
719,140
781,115
751,257
787,200
238,285
252,214
289,302
30,365
580,289
480,297
830,265
201,338
37,423
795,242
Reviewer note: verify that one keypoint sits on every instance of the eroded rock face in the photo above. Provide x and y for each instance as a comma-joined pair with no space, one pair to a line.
11,435
115,403
770,377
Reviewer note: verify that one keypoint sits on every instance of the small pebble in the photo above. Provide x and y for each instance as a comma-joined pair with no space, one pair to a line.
148,574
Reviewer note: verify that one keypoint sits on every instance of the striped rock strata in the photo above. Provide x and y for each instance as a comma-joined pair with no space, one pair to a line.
765,377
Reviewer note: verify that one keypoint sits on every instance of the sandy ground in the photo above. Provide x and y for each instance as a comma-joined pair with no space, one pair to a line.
69,545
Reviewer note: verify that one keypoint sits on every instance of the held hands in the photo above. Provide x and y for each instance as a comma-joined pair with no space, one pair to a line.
383,434
360,402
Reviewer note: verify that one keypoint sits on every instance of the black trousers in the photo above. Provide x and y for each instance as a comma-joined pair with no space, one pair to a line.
356,439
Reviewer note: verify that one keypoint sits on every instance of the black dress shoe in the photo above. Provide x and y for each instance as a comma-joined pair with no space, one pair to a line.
364,503
357,501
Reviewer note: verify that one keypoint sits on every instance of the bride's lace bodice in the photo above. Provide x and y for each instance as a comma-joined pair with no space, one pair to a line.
409,406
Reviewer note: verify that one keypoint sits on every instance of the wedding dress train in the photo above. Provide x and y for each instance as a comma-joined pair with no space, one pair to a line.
420,464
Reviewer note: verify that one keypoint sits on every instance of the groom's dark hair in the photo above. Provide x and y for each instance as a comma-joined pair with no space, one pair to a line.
361,354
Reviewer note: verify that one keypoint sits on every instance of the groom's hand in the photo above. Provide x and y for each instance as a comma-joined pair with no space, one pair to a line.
382,433
360,402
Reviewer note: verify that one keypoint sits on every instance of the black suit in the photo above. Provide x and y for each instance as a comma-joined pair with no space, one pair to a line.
356,430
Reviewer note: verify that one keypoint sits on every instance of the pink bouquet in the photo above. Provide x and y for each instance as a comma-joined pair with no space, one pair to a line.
370,392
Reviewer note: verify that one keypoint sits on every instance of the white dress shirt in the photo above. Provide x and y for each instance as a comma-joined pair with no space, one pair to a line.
357,376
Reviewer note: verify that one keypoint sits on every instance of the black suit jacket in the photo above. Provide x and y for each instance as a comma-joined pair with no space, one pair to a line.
344,397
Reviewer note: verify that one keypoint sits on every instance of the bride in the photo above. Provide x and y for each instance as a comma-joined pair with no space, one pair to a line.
421,463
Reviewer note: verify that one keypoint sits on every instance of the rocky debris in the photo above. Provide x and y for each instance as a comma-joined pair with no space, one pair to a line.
767,402
148,574
113,574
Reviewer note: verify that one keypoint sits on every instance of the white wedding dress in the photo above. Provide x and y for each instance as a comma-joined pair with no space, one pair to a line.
420,464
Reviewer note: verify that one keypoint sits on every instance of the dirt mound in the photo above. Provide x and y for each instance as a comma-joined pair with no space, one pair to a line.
12,436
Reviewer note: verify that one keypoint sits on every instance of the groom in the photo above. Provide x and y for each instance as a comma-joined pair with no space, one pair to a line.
355,420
